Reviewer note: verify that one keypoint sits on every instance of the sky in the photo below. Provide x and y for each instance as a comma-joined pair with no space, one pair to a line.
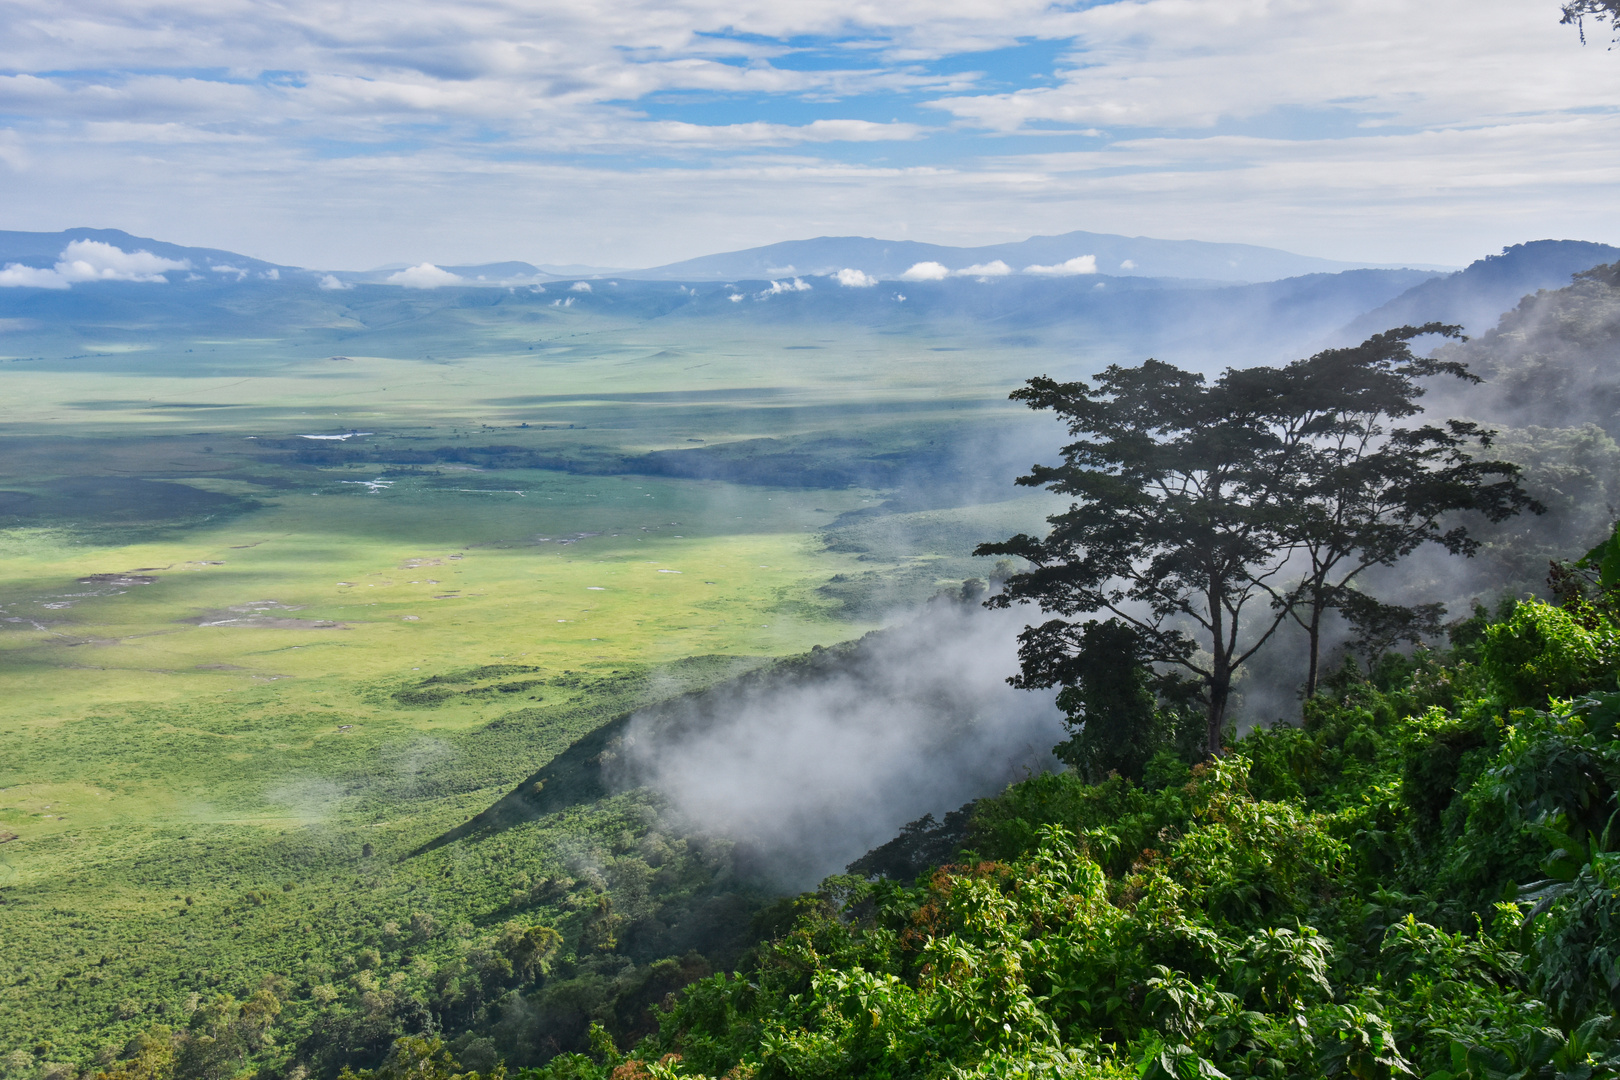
629,133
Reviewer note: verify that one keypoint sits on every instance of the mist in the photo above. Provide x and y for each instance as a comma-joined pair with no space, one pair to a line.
814,763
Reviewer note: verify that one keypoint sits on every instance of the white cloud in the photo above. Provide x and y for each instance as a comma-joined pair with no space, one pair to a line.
329,281
926,271
855,279
1128,264
1080,264
423,276
580,286
759,133
272,274
984,270
778,287
16,275
92,260
504,103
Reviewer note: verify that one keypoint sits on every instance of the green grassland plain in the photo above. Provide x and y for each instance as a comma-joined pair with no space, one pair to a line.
236,658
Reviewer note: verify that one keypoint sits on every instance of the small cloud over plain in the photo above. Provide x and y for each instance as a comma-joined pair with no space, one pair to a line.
855,279
926,271
424,276
984,270
580,286
1080,264
796,285
331,282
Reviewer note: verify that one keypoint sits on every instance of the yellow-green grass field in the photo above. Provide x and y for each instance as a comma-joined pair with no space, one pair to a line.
233,657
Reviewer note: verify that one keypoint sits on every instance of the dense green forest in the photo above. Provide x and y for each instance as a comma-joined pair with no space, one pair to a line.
1414,873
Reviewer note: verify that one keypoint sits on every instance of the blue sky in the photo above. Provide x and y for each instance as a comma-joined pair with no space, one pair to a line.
634,132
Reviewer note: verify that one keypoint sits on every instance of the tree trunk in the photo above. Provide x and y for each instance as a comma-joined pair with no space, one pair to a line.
1220,689
1315,633
1220,676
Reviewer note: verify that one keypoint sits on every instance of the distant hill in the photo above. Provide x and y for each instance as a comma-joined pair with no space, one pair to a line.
42,249
1117,256
1476,296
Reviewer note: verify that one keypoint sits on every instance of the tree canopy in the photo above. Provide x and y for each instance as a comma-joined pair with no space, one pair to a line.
1596,10
1205,514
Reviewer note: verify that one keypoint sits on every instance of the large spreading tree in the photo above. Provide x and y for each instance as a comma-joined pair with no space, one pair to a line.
1206,515
1358,491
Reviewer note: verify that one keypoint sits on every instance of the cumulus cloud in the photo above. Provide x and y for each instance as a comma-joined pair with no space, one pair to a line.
926,271
1080,264
580,286
855,279
329,281
92,260
796,285
506,104
997,268
424,276
18,276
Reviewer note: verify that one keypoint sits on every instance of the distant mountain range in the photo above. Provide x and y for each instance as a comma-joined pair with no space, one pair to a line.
1075,254
61,292
1071,254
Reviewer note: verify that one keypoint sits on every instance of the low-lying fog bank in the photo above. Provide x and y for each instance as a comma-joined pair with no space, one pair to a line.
811,767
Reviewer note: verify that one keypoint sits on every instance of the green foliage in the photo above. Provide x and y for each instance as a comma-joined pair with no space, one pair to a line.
420,1059
1542,651
1346,898
1122,713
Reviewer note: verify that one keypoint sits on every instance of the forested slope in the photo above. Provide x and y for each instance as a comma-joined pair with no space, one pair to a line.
1418,880
1550,372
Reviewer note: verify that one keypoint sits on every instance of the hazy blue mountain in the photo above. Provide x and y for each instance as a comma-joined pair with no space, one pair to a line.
1477,296
42,249
1118,256
1075,320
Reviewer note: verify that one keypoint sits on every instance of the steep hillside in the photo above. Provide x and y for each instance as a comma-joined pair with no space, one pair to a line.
1550,372
1477,295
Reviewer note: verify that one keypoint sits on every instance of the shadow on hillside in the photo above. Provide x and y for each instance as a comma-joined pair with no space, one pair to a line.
569,779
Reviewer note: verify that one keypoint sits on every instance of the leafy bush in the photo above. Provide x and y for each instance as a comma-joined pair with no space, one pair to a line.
1542,651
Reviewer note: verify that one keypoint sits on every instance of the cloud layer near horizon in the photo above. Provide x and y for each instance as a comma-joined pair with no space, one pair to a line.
633,133
92,260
